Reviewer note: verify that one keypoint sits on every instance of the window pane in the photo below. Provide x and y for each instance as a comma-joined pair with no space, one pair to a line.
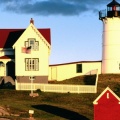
109,8
118,8
37,64
31,64
26,44
79,68
26,64
36,46
32,43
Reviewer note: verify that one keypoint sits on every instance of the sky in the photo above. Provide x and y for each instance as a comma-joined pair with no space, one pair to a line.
76,31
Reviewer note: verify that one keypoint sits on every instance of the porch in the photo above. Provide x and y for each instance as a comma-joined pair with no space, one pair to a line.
7,66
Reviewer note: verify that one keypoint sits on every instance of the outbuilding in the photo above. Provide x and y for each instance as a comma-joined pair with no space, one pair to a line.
107,106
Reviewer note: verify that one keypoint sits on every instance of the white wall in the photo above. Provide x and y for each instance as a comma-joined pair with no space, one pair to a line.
2,69
42,54
66,71
111,45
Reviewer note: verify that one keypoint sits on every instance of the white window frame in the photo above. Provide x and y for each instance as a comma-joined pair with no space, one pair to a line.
34,46
31,64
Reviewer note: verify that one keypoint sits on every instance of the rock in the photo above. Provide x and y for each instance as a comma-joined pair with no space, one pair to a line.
3,111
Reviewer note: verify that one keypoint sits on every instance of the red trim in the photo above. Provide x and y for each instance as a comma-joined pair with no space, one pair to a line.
75,63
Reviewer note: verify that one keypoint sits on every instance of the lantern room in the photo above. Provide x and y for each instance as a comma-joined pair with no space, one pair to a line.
113,9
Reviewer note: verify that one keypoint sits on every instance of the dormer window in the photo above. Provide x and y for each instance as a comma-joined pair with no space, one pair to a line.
33,43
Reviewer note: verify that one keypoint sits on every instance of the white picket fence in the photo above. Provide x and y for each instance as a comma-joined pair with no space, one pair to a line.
60,88
57,88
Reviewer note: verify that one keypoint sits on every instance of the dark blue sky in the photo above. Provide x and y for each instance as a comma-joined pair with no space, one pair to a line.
52,7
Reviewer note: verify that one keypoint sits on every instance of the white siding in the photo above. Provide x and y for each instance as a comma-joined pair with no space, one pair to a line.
2,69
67,71
42,54
111,45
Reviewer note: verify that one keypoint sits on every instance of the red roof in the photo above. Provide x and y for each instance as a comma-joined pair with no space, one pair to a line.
9,36
46,34
107,106
103,96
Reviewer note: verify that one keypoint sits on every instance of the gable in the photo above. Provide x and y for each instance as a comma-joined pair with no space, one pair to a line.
9,36
106,94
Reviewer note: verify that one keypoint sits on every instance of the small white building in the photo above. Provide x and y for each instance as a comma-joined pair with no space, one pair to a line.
64,71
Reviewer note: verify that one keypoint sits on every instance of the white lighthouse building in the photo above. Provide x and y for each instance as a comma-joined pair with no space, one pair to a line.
111,38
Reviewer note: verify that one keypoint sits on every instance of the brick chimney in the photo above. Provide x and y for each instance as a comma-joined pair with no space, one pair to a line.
32,21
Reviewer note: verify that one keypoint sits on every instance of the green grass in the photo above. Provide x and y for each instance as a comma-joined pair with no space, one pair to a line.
57,106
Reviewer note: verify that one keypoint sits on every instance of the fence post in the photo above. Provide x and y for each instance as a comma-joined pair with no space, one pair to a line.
96,82
78,90
16,85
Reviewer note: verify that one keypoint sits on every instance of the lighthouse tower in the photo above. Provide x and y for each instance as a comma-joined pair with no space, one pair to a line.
111,38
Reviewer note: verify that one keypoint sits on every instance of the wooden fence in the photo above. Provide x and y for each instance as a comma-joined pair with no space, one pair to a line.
60,88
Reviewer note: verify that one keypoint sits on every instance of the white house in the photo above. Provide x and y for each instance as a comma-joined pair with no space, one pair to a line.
24,53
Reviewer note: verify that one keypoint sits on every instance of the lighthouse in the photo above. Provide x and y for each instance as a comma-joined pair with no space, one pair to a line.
111,38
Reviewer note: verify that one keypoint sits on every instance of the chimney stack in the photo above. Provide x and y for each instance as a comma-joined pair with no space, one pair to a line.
32,21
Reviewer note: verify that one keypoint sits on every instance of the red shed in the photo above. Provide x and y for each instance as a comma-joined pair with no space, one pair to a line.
107,106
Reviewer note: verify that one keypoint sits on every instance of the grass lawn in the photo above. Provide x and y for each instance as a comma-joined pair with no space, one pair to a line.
56,106
48,106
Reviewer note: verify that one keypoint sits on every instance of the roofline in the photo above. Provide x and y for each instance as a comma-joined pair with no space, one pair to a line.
75,62
10,57
96,100
6,49
21,28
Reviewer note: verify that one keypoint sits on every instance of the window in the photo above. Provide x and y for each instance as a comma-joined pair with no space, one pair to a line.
32,64
118,8
79,68
33,43
108,96
109,8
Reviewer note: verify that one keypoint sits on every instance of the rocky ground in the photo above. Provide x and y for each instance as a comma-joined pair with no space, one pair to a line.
6,112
